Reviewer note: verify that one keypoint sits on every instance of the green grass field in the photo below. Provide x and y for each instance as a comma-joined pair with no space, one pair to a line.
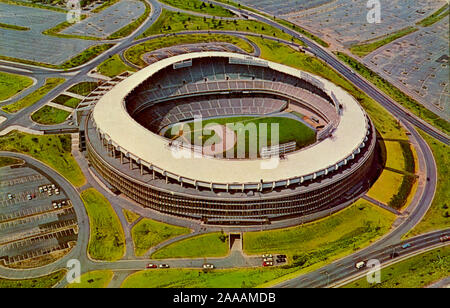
397,95
31,99
416,272
54,151
11,84
364,49
207,245
83,88
191,278
48,115
93,280
438,216
343,232
47,281
134,54
148,233
395,158
172,22
86,56
107,239
113,66
199,7
130,216
244,127
386,124
67,101
8,161
386,187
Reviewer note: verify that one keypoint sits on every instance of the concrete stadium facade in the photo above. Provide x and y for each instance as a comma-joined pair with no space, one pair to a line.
136,161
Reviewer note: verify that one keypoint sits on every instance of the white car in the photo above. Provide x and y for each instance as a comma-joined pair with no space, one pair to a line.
208,266
360,265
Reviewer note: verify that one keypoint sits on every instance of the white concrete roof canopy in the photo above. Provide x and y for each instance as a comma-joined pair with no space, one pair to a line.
112,119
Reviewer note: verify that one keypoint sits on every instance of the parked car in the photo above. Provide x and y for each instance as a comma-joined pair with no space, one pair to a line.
57,191
281,257
164,266
268,263
151,265
29,197
444,238
268,259
360,265
10,196
208,266
406,246
281,260
267,256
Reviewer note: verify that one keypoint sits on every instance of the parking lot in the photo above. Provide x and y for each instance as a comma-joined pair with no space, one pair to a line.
36,218
32,44
278,7
109,20
345,21
412,65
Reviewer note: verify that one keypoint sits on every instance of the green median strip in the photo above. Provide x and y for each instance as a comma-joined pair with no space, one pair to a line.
13,27
107,239
47,281
363,50
434,18
93,280
148,233
31,99
104,6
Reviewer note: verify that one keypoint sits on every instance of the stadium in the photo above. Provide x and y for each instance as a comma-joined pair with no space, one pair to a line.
136,141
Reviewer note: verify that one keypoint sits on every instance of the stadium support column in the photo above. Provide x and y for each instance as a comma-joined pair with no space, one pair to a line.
121,157
142,169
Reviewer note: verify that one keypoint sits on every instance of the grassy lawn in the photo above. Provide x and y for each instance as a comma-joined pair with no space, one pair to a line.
191,278
8,161
199,7
48,115
172,22
86,56
132,26
363,50
83,88
346,231
107,239
386,124
319,243
13,27
386,187
202,246
435,17
134,54
113,66
93,280
148,233
11,84
396,94
395,158
67,101
31,99
130,216
47,281
53,150
438,216
416,272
